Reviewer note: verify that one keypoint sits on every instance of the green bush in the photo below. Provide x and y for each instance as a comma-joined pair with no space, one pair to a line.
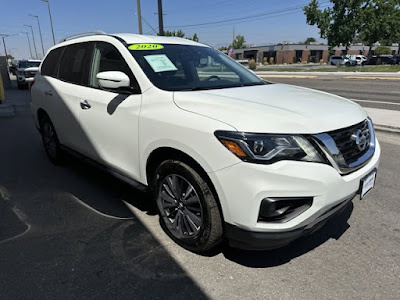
252,64
265,61
382,50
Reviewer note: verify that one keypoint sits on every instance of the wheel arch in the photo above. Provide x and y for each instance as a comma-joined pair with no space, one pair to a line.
157,156
41,113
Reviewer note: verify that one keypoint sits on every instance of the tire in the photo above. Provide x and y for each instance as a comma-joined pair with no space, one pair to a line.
347,64
192,219
50,140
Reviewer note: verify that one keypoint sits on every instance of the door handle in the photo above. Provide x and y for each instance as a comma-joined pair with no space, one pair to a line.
85,104
48,93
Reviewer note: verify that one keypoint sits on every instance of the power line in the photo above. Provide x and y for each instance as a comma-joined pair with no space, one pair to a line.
255,17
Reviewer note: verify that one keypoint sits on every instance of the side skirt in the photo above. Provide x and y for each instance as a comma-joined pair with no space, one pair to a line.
136,184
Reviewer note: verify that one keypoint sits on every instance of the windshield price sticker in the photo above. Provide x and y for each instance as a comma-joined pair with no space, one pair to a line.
146,47
160,63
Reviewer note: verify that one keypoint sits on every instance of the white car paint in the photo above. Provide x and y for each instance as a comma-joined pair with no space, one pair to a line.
21,80
186,121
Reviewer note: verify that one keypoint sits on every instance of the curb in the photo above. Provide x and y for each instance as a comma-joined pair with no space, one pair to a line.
385,128
364,74
7,111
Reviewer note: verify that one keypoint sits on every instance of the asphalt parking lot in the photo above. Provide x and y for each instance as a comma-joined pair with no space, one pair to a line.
72,232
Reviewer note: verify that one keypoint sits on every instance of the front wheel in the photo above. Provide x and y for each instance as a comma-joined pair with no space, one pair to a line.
187,207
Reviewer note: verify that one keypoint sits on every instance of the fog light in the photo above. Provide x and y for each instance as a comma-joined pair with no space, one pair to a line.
281,210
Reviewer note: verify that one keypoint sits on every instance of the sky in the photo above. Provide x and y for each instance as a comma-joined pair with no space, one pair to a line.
276,21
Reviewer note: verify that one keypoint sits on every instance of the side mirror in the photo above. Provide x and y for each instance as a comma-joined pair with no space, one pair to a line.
113,80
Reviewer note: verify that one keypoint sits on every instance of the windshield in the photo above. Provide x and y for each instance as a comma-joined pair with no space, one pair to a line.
183,68
28,64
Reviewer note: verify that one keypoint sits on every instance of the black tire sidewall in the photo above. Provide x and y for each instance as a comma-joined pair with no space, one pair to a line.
202,240
57,158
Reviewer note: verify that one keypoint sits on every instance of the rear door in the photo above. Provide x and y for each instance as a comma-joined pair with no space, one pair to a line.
110,118
72,81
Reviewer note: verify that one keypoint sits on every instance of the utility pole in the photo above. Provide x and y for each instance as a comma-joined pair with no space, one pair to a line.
139,16
3,36
33,38
51,20
29,43
40,31
160,18
5,48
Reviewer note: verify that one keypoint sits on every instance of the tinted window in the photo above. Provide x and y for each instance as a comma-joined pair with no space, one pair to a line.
49,66
74,66
185,67
107,58
28,64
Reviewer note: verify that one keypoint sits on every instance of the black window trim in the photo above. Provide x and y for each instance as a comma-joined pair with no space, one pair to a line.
133,92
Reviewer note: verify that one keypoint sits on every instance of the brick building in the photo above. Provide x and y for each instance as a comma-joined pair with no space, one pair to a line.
294,53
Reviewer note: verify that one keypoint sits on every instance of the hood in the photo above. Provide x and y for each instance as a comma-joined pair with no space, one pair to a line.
31,69
273,108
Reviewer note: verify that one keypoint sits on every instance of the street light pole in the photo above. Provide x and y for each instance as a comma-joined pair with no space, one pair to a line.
51,20
40,31
33,38
139,13
29,43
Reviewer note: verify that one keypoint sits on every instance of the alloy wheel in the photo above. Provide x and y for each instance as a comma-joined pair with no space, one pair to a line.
181,205
50,139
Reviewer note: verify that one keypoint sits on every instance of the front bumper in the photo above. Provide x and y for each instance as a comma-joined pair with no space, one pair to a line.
249,240
242,187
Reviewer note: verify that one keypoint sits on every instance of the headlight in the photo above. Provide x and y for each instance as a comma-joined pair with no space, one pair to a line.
268,148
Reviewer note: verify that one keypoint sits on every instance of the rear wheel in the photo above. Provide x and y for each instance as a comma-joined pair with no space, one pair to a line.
187,207
50,140
347,64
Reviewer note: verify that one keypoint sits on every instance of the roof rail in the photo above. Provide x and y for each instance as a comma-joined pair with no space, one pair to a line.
75,36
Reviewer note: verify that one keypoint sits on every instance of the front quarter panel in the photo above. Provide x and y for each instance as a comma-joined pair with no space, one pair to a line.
163,124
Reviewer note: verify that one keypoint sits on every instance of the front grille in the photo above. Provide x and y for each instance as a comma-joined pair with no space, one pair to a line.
346,141
29,74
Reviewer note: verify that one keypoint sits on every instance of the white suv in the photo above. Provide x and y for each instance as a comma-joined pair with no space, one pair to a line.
26,69
226,154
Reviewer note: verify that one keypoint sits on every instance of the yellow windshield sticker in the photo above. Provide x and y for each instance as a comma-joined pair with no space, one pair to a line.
146,47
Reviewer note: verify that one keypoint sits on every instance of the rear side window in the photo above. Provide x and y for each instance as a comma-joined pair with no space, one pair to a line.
75,62
50,64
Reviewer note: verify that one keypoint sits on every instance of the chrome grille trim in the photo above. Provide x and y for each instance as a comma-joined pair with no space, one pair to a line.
336,158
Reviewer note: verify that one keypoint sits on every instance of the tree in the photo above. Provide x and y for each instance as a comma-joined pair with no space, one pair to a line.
194,38
181,34
369,20
381,22
178,33
382,50
309,40
9,56
239,42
